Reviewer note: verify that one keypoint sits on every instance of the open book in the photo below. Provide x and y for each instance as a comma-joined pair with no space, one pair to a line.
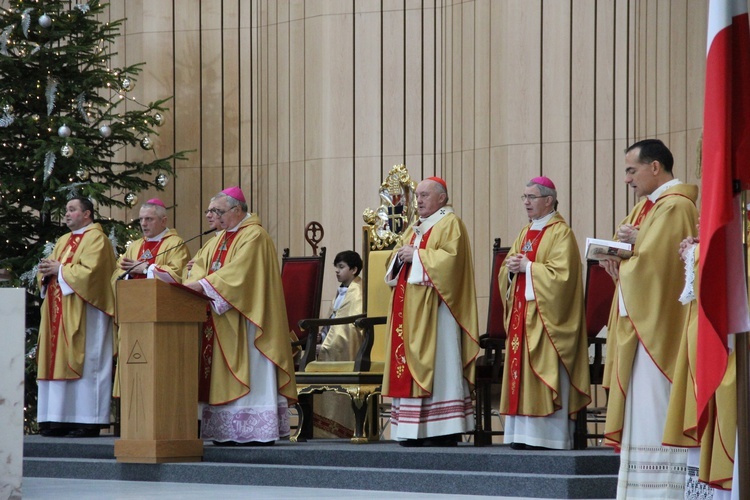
597,249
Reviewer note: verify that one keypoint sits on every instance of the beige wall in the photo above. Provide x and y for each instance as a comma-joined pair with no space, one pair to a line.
307,104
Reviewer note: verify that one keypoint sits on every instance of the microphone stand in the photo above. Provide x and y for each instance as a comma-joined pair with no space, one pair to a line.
127,271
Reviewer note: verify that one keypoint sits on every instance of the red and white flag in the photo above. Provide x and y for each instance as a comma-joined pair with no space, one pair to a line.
726,170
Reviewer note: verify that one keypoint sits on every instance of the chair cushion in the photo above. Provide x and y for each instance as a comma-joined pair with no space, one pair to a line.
340,366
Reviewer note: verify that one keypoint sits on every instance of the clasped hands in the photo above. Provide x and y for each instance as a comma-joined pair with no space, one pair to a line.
49,267
133,266
406,253
516,263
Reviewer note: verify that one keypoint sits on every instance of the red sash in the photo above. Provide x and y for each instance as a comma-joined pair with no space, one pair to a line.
55,305
517,328
209,329
153,248
400,376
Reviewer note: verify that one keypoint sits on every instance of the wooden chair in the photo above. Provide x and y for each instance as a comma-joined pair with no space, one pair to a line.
600,290
489,366
360,379
302,280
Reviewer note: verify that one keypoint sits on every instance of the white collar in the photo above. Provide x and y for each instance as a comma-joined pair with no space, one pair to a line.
426,223
237,227
158,237
537,224
81,230
660,190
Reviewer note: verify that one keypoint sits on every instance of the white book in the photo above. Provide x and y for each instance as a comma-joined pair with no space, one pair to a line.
597,249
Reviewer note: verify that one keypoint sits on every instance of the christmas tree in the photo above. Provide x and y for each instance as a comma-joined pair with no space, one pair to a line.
65,127
70,125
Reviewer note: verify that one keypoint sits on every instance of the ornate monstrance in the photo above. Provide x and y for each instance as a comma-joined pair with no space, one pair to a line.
397,210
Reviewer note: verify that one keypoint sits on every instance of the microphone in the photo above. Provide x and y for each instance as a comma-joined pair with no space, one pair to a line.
127,272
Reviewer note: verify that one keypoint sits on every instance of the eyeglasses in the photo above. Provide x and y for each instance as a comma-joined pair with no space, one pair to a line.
531,197
218,212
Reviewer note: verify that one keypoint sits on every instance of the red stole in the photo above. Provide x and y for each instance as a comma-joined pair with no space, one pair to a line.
150,249
518,322
54,301
209,329
645,209
400,376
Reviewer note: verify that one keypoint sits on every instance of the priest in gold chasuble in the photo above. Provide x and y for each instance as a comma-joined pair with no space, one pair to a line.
432,326
646,324
546,373
160,248
74,357
252,373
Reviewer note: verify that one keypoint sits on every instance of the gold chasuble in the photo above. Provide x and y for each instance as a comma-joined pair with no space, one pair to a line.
717,445
174,256
249,279
548,330
446,258
88,261
649,286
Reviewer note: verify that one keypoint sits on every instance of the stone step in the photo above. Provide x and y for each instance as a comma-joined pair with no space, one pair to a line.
383,466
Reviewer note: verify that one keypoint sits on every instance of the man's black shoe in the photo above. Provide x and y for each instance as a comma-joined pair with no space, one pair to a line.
440,441
83,432
517,446
54,432
411,443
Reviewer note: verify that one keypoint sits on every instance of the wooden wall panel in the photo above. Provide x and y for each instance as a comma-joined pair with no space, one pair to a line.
393,83
413,88
308,104
605,174
577,193
563,76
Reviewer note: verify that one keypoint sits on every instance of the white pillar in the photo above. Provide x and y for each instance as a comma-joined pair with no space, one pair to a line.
12,358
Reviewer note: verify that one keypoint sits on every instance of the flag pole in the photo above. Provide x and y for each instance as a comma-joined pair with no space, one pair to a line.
742,454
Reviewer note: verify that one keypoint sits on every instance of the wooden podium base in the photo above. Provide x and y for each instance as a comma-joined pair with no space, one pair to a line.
157,452
158,372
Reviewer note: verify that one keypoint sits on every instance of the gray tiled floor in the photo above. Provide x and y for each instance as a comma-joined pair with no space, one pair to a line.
78,489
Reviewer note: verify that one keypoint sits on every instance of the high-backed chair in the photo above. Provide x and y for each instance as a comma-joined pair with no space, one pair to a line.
360,379
302,280
600,290
489,366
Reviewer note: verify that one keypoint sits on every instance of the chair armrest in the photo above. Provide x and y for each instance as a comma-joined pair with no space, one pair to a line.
311,326
369,322
306,324
363,362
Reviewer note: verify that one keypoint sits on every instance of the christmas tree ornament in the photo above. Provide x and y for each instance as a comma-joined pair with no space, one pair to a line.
105,131
63,131
67,150
82,174
45,21
146,143
127,84
8,109
162,180
131,199
159,119
49,164
26,22
35,117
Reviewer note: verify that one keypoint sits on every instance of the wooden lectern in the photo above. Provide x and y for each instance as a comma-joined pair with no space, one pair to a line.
158,359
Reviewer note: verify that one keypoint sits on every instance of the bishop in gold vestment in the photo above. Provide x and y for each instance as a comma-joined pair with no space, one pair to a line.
546,371
252,373
433,330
